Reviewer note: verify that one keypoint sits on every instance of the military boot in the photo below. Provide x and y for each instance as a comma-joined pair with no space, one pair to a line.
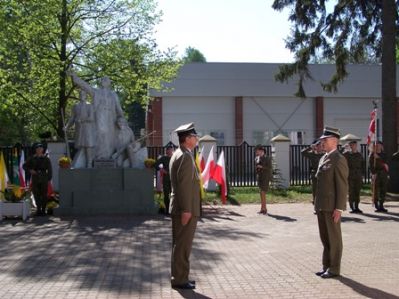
377,207
382,209
352,206
357,208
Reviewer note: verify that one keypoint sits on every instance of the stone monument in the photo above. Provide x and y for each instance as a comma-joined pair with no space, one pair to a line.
118,184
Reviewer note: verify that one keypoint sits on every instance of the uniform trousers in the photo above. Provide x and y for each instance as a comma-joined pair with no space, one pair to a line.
39,190
355,184
331,238
181,248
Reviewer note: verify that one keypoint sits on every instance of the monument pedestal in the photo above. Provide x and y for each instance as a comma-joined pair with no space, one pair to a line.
115,191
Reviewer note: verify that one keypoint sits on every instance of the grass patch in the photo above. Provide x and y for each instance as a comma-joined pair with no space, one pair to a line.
249,195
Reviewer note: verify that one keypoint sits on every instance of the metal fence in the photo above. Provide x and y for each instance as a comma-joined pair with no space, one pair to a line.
239,162
300,170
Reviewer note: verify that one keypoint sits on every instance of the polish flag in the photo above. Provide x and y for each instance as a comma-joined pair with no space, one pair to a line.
219,175
201,160
207,173
21,171
371,135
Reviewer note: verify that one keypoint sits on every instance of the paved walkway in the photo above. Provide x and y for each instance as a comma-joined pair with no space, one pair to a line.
237,254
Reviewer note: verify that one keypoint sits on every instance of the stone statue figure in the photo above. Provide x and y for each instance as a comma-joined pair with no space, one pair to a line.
125,144
107,110
82,116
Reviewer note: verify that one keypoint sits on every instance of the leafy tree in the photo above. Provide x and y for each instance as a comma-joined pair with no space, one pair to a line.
193,55
347,33
44,38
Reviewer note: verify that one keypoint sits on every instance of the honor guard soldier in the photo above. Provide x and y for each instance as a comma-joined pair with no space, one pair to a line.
379,170
185,205
39,166
355,165
162,165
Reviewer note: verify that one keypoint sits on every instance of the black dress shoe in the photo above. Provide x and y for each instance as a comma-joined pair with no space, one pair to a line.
192,282
184,286
321,272
328,274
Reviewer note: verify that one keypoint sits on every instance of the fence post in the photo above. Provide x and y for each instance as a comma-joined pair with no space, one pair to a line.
206,142
282,157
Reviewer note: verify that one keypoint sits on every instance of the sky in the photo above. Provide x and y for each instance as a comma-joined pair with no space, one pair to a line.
225,30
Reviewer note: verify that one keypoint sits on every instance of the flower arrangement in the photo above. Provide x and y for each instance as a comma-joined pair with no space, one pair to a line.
149,163
64,162
15,193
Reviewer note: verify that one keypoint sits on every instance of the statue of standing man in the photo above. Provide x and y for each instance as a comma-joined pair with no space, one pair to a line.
107,110
82,116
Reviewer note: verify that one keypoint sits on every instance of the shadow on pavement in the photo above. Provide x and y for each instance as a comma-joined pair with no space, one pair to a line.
352,219
382,216
283,218
115,254
190,294
365,290
218,213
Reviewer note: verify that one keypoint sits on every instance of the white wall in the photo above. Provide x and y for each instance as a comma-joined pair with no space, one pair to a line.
207,113
350,115
270,114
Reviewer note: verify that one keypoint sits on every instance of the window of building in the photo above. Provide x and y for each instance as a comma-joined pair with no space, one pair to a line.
262,137
219,136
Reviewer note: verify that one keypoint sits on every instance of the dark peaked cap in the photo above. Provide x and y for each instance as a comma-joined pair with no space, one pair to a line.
330,132
186,129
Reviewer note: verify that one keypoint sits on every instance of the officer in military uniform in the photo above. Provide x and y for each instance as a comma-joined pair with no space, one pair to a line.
185,205
355,164
379,170
162,165
313,153
330,201
39,166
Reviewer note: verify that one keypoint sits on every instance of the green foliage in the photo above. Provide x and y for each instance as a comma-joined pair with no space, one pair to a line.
346,32
193,55
41,39
349,32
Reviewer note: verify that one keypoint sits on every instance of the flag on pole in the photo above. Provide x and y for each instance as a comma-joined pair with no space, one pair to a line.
3,176
198,165
21,171
201,160
371,137
15,168
209,169
219,175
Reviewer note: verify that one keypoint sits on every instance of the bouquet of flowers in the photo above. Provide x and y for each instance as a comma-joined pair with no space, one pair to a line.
149,163
15,193
64,162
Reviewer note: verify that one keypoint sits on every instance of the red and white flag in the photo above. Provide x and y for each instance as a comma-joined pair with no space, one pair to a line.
21,171
219,175
201,160
371,134
207,173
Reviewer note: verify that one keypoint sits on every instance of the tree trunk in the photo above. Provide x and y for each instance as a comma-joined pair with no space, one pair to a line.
388,78
388,90
62,97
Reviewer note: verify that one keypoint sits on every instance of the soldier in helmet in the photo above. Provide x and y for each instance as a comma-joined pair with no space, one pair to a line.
355,164
379,170
39,166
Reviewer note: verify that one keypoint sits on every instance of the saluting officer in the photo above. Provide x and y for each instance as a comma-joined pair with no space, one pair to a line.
40,169
185,205
314,152
355,164
379,170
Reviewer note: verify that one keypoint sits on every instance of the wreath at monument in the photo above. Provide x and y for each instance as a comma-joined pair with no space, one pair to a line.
149,163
